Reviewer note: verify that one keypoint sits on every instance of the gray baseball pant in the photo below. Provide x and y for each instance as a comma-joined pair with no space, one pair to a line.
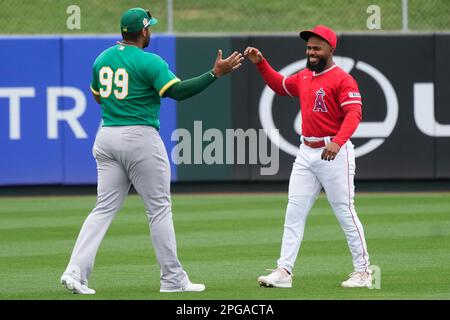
130,155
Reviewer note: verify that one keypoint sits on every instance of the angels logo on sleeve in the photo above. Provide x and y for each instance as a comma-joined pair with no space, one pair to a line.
319,104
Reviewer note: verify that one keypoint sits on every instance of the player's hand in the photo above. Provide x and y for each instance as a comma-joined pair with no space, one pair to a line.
330,151
224,66
253,54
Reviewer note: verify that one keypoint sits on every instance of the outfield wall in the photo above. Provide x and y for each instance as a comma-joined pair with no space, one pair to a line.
48,119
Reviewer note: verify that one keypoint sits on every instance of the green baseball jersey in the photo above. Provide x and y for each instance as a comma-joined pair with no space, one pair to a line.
130,83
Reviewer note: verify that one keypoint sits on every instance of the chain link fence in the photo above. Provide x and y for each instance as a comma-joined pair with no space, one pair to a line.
231,16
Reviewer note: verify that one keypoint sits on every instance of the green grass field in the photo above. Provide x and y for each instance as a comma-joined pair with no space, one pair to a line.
227,241
49,16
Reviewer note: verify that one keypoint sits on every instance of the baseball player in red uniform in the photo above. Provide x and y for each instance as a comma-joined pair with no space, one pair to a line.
331,111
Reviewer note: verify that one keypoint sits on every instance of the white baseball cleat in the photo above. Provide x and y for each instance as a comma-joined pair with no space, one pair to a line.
75,286
358,280
279,278
190,287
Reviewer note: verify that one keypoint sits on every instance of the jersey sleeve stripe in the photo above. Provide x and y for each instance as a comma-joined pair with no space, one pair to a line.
351,102
285,89
167,86
94,91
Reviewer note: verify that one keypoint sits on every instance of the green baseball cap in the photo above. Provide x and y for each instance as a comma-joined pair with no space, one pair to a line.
136,19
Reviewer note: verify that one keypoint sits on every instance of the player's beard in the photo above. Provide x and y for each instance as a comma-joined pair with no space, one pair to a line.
319,66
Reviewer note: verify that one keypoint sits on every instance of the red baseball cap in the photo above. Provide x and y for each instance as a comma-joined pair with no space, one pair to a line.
322,31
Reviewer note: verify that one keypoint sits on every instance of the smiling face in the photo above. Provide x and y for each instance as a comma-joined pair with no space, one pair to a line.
318,53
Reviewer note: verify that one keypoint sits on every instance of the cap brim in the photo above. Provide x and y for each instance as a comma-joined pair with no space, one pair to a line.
306,34
152,22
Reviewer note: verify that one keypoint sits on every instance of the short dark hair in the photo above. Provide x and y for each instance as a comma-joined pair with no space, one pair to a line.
131,36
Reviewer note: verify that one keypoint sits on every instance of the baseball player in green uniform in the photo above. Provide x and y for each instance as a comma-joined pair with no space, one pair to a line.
129,83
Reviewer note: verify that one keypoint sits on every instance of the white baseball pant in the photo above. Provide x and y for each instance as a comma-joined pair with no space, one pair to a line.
309,174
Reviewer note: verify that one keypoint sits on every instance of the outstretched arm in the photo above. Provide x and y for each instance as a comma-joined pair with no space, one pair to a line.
188,88
273,79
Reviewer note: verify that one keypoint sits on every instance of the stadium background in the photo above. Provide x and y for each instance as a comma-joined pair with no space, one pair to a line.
44,156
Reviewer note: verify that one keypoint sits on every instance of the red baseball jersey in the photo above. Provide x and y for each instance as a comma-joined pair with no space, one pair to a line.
325,98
